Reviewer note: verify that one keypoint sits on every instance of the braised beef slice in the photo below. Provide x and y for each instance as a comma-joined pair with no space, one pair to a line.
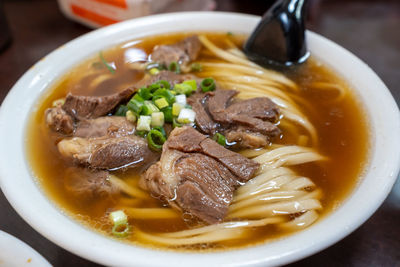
197,175
113,126
58,120
187,139
217,103
259,107
89,107
248,123
88,184
203,120
247,139
108,152
182,52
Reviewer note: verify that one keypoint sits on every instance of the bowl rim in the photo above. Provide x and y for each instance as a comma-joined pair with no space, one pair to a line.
16,178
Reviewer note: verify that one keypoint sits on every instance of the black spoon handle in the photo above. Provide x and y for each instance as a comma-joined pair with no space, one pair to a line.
279,38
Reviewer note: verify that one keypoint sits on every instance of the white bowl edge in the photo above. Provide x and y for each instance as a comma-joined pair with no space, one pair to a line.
37,210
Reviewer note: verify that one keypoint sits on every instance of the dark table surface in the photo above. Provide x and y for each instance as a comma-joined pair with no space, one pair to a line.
369,29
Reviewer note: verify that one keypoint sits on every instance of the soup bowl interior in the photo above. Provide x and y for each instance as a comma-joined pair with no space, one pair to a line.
28,199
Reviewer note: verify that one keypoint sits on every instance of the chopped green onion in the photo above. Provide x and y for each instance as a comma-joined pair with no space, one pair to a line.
229,33
141,133
186,116
220,139
196,67
136,103
145,93
154,71
192,84
121,110
176,109
148,108
164,93
182,88
138,98
155,139
161,103
167,114
120,223
130,116
118,217
180,99
121,230
157,119
161,130
154,87
108,66
174,67
58,102
208,84
175,123
143,123
164,84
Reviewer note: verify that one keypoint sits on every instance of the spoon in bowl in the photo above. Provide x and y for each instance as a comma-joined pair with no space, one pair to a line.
279,39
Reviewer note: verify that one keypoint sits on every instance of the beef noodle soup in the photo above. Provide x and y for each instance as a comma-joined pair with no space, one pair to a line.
179,142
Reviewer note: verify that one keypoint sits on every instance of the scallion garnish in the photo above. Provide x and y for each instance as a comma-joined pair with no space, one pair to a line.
136,104
164,84
165,94
207,85
154,71
167,114
148,108
196,67
182,88
103,60
130,116
121,230
121,110
157,119
155,139
175,123
174,67
145,93
181,99
176,109
161,103
186,116
220,139
161,130
120,223
144,123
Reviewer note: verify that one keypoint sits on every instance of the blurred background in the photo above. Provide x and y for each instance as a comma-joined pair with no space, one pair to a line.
30,29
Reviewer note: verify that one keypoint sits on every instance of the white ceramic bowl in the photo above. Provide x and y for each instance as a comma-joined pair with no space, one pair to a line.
29,201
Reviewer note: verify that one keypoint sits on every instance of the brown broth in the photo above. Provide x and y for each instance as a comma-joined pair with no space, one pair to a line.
341,126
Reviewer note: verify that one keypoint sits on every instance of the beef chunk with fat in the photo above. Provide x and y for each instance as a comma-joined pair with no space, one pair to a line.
248,123
203,119
217,103
113,126
88,184
58,120
89,107
197,175
108,152
182,52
